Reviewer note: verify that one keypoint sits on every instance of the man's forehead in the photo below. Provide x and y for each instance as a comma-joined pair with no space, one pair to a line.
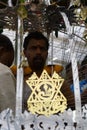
36,42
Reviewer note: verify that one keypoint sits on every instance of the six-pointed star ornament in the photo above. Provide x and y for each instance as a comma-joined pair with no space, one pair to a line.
46,97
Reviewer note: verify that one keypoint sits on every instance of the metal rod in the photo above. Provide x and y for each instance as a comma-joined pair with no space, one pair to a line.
19,85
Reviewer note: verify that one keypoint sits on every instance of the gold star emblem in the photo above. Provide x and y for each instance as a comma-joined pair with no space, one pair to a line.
46,97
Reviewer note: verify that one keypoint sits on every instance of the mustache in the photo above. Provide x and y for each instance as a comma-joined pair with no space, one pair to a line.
38,58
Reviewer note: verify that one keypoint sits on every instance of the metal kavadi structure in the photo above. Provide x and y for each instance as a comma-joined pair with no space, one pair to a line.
64,23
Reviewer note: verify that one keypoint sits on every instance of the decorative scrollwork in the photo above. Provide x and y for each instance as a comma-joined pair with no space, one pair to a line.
46,97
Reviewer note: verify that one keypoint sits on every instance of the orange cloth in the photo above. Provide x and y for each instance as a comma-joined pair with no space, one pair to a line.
48,68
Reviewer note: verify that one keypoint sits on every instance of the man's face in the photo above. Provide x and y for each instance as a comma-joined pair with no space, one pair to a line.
36,54
6,57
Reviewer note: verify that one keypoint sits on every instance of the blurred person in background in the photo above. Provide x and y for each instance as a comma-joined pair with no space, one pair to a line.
7,79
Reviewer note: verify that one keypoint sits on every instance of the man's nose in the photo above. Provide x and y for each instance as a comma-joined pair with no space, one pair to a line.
38,50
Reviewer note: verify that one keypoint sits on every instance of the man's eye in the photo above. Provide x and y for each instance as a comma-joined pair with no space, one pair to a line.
43,48
33,48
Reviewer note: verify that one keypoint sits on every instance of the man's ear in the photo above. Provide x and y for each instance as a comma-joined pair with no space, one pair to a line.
47,53
24,52
1,49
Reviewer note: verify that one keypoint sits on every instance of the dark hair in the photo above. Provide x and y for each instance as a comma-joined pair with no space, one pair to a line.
35,35
6,43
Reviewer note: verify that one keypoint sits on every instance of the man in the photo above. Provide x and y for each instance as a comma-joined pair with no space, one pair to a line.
7,80
36,51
